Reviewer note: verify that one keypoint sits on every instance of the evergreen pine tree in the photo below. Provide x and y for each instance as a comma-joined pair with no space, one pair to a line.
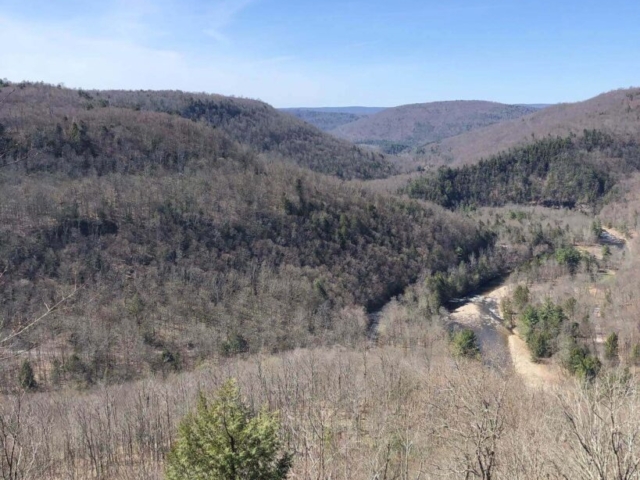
223,440
27,377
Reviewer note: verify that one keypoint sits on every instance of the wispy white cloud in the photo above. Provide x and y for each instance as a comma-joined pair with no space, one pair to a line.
130,18
221,15
127,49
59,54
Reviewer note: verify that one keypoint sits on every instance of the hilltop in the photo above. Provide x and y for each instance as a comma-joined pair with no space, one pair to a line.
325,121
571,171
186,243
360,111
266,130
257,125
616,113
154,245
329,118
400,128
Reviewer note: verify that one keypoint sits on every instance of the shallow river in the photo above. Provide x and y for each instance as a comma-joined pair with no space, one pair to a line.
481,314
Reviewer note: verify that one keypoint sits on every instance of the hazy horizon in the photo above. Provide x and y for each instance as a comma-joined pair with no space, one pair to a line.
330,54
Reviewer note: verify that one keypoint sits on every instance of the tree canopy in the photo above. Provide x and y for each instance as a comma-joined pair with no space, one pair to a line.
224,440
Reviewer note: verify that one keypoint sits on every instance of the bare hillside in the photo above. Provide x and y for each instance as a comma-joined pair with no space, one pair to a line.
273,134
174,237
413,125
325,121
616,112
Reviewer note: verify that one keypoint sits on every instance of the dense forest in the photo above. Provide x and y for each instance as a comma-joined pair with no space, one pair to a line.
616,112
324,120
267,131
185,244
569,171
185,275
407,126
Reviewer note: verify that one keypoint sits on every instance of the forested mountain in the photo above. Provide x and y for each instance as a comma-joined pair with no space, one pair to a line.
170,240
266,130
400,128
325,121
330,118
185,244
255,124
360,111
537,106
553,172
616,112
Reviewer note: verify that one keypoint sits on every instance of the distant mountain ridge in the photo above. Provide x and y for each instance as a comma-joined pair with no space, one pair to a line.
329,118
408,126
263,128
189,241
538,106
355,110
325,121
616,112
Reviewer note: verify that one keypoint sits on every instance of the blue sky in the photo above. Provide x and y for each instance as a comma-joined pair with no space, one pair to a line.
329,53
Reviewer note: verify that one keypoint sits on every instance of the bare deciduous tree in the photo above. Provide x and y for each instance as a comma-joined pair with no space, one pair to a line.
603,430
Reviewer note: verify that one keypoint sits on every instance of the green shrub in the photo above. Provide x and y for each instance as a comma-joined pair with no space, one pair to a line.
27,378
569,257
635,354
223,440
539,344
570,306
583,364
521,296
596,229
234,345
611,347
541,327
506,307
465,344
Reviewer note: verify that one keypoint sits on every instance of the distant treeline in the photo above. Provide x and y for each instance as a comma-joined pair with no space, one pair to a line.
551,172
187,243
254,124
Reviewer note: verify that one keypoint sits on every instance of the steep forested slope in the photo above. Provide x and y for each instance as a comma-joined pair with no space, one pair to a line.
252,123
185,244
616,113
325,121
266,130
554,171
408,126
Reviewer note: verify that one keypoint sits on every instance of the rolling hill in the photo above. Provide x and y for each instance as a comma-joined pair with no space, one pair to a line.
266,130
360,111
185,243
616,113
407,126
575,171
258,126
329,118
325,121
